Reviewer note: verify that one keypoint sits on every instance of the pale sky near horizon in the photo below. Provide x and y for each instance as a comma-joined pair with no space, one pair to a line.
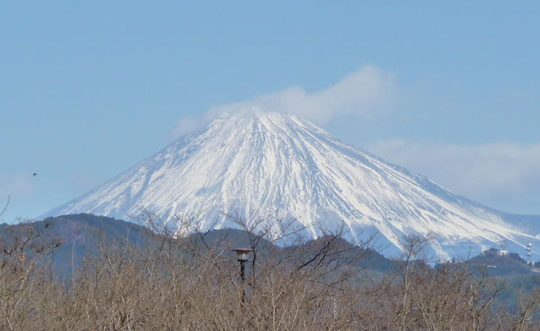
449,90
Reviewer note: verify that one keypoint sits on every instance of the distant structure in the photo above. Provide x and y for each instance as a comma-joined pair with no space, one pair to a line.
495,252
529,254
503,251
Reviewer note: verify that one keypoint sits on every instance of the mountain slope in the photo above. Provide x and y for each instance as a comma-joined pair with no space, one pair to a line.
261,164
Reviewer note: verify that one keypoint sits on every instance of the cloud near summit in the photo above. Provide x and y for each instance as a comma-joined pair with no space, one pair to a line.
502,174
362,93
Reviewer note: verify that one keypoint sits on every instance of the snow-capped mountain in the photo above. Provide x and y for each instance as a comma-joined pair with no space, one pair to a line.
260,164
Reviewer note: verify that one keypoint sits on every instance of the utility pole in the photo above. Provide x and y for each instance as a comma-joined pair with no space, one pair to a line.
242,257
529,254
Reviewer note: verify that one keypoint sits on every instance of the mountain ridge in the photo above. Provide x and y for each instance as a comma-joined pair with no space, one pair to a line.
276,164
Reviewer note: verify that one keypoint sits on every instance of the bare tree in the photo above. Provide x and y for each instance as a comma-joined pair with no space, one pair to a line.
5,206
189,282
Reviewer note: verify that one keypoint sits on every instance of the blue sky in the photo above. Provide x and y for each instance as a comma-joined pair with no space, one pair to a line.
450,90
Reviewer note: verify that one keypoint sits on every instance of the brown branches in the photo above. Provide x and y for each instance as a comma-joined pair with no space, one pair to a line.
5,206
189,282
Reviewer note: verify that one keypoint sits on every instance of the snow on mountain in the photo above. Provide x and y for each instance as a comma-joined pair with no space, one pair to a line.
261,164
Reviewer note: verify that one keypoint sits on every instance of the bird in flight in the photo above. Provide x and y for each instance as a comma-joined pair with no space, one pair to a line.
34,174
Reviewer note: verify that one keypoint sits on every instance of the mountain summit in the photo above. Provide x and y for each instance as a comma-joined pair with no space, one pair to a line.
259,164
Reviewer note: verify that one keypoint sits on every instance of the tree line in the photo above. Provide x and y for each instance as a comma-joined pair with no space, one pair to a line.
192,283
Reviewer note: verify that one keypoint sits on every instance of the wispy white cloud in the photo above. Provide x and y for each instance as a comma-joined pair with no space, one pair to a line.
190,124
488,172
362,93
17,185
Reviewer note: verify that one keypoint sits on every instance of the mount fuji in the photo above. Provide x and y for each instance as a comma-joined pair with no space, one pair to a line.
259,164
